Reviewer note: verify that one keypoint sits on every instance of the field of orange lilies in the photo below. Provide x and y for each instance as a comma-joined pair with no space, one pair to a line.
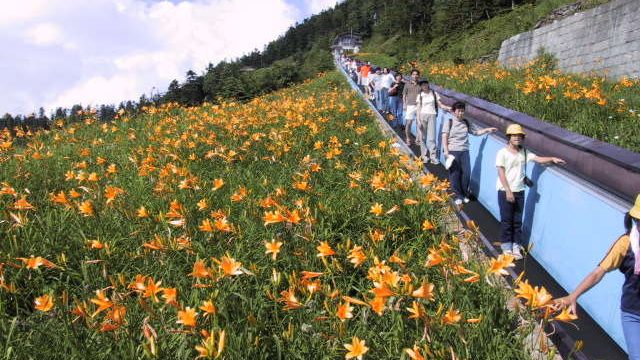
286,227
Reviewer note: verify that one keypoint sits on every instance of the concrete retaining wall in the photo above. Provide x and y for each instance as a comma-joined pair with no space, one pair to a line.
605,40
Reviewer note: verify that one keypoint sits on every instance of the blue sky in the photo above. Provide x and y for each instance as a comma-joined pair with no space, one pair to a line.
62,52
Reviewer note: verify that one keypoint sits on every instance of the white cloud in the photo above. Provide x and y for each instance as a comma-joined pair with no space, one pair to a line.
119,49
317,6
46,34
16,11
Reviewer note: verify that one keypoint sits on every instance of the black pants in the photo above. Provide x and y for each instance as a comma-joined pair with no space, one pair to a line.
511,217
459,173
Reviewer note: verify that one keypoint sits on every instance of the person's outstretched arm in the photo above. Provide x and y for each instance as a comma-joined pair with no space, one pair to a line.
587,283
548,159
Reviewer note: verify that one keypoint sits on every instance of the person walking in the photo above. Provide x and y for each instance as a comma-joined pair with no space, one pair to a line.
428,102
623,255
386,80
510,162
455,142
364,79
375,80
409,95
395,100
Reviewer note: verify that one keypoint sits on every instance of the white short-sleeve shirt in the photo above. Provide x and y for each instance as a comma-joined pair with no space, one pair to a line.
513,165
427,102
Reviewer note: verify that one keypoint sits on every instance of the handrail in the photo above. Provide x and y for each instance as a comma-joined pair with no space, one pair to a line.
610,167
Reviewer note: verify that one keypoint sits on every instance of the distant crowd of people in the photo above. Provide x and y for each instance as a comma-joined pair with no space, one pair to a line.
412,100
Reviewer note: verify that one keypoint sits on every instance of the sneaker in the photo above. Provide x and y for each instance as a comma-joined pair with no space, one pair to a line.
466,200
435,161
517,253
458,202
507,248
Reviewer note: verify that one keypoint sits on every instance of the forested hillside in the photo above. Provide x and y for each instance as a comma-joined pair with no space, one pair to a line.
396,31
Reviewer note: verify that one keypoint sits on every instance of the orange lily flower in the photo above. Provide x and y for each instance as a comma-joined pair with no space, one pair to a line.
273,248
425,291
498,265
96,244
434,258
111,192
566,315
356,256
452,316
293,217
409,202
187,317
377,235
200,270
376,209
43,303
206,226
170,296
102,301
324,249
357,349
290,300
142,212
382,291
414,353
222,225
36,262
86,208
273,217
60,198
427,225
151,289
209,308
308,275
229,266
217,184
344,311
202,205
416,310
22,204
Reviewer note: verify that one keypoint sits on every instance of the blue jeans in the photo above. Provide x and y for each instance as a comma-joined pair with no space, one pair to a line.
395,107
510,218
459,173
382,102
631,330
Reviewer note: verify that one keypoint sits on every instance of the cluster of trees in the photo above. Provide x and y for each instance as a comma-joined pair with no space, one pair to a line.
303,51
74,114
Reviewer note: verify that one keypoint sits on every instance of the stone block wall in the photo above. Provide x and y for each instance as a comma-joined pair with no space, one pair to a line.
604,40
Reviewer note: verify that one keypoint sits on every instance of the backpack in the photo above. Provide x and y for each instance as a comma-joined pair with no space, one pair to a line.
466,122
435,100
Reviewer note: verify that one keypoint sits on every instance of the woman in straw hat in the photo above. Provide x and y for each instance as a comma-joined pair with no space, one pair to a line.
511,163
623,255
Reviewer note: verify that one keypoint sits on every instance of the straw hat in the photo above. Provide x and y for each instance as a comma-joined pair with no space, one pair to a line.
635,210
515,129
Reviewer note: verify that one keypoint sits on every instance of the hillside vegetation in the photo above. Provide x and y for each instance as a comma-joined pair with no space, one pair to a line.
285,227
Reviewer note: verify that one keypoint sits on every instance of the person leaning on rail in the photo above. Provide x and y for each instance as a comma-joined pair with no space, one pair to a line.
623,255
428,102
455,144
511,163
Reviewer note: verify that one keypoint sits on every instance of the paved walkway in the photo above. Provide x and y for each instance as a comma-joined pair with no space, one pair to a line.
596,343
